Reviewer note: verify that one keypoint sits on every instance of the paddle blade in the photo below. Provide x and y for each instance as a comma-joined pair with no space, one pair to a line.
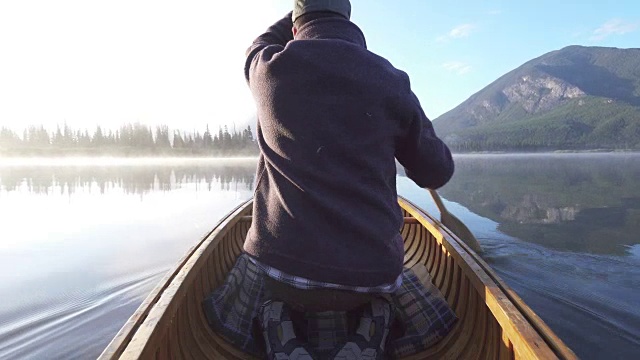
454,224
461,230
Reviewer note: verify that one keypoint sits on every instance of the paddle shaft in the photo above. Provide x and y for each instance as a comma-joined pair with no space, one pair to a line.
454,224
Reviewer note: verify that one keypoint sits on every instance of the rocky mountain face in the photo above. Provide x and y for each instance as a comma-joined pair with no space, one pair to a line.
541,93
577,97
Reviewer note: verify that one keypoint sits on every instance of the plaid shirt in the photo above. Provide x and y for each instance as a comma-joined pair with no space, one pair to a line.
232,308
307,284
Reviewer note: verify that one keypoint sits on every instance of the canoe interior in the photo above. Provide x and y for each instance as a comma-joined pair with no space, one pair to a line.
494,323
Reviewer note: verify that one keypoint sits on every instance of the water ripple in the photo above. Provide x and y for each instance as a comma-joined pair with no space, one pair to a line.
75,326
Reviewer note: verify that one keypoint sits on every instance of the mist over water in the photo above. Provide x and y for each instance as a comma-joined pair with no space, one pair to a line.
82,243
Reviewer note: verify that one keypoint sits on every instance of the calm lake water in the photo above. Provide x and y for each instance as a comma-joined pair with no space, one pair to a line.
83,241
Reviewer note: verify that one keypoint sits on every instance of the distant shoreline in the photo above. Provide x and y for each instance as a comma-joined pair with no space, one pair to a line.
185,161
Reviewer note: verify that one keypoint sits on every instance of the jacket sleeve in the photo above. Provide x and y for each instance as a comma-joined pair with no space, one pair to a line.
275,38
426,159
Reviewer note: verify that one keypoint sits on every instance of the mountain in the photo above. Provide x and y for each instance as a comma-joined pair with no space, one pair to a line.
573,99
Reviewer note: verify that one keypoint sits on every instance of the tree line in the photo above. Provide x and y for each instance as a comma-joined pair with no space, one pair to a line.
128,140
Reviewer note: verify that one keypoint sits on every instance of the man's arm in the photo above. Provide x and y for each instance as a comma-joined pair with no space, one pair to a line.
425,158
278,34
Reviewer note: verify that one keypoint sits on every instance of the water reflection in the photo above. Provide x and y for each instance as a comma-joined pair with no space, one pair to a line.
581,203
82,245
132,179
589,300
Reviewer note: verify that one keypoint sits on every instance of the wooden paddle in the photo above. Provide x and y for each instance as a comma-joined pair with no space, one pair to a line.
455,224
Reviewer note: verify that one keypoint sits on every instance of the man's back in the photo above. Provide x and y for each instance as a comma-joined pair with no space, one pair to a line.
332,119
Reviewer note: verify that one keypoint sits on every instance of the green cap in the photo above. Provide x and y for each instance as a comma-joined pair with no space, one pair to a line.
302,7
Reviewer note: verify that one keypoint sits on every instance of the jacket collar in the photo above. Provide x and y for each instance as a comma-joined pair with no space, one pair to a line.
332,28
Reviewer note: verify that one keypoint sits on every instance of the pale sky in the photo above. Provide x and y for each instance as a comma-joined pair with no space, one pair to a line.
180,63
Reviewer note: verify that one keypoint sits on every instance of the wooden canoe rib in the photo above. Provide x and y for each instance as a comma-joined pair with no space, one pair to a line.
494,322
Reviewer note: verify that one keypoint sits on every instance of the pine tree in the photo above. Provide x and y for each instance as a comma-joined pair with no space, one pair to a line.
98,139
162,137
58,139
8,138
178,141
207,140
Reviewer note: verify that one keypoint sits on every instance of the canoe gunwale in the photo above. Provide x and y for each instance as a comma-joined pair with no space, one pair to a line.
501,295
556,344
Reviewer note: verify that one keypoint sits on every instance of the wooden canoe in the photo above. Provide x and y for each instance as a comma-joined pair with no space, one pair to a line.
494,322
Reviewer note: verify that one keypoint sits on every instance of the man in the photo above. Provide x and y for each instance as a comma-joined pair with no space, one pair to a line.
332,119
